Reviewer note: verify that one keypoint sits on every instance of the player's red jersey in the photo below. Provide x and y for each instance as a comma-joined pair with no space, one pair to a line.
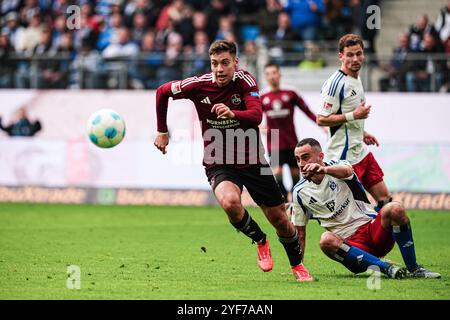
241,95
279,108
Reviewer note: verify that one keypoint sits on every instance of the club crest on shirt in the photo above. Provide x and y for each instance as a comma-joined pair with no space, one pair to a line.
332,185
236,99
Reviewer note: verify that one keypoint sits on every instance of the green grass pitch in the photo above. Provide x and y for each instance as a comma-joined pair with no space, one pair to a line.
146,252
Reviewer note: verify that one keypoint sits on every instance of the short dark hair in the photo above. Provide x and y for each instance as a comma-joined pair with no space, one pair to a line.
350,40
311,141
271,64
220,46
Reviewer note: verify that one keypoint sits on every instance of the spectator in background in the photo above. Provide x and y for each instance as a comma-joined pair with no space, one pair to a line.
21,126
163,34
146,7
87,70
29,38
172,67
267,16
175,11
226,27
306,16
59,7
59,27
417,31
442,24
397,67
115,6
12,28
93,21
143,70
109,31
60,73
427,73
215,10
337,19
249,57
123,50
28,10
26,71
199,63
199,23
283,31
46,74
104,8
7,6
282,38
6,66
124,47
140,27
313,59
87,31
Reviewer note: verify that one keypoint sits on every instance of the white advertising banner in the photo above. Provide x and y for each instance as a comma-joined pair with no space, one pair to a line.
412,129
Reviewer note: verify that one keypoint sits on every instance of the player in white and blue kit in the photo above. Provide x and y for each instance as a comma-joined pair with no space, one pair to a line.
357,236
344,110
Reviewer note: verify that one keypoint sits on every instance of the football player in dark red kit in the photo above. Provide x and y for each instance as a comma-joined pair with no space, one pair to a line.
229,109
279,105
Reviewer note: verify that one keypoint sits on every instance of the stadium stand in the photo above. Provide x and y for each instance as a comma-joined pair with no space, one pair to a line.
139,44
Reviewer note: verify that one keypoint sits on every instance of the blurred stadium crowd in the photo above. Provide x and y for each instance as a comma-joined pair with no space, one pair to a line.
144,43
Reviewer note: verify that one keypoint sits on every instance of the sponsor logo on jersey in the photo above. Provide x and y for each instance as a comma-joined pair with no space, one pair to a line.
254,94
353,93
330,205
176,87
327,105
312,200
276,105
236,99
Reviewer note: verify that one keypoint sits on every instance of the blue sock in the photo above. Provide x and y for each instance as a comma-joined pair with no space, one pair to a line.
403,237
357,260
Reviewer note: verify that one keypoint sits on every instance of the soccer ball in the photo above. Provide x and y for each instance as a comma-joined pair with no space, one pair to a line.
106,128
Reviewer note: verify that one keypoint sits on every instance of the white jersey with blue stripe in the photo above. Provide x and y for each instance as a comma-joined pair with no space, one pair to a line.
339,205
341,94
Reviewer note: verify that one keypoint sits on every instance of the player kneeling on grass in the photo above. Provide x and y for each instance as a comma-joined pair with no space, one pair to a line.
356,235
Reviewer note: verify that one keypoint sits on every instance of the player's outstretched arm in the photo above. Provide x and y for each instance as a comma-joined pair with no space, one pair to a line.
7,129
340,171
162,102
